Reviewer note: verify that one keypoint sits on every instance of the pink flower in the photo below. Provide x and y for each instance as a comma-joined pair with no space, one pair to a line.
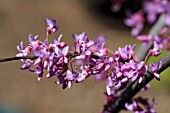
135,21
155,68
52,27
155,51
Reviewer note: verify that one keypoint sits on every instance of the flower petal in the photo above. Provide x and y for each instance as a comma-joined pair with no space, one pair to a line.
156,75
25,66
65,50
20,47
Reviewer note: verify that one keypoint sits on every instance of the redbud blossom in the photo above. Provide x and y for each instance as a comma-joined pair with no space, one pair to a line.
52,27
154,69
136,22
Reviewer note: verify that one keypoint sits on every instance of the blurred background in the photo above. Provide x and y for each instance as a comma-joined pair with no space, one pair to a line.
21,90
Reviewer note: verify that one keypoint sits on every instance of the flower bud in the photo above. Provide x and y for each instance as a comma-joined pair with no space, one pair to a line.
62,44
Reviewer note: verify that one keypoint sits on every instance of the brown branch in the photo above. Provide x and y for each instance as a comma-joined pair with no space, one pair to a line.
143,50
17,58
70,55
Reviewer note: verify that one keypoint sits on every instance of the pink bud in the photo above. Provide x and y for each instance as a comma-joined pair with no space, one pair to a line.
49,30
50,47
84,72
105,51
37,43
28,49
100,60
124,80
88,53
152,52
111,59
62,44
163,31
138,17
80,42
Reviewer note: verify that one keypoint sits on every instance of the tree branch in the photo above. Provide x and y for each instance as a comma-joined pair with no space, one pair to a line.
143,50
17,58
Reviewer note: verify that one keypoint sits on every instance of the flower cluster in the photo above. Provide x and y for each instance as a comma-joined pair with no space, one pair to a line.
126,68
162,39
52,57
151,8
92,59
119,68
141,105
137,104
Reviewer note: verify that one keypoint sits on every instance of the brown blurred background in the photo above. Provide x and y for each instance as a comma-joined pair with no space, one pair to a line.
19,18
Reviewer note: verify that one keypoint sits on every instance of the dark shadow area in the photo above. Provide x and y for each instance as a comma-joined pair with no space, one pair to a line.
101,11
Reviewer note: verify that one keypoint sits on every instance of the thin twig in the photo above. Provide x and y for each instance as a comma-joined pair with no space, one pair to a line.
17,58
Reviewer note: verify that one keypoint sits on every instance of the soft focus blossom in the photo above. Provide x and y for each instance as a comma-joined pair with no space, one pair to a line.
155,51
116,5
149,12
161,41
153,8
145,39
141,105
147,86
136,22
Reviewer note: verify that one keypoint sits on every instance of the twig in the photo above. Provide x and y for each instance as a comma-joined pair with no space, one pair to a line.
17,58
71,55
